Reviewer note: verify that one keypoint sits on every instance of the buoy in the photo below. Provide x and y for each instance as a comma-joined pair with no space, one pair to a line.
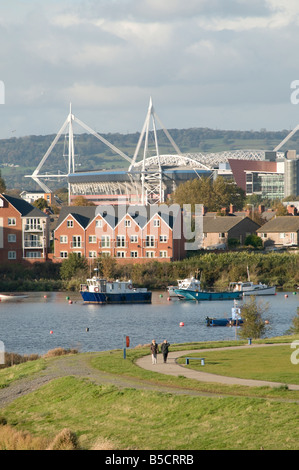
161,295
286,295
294,293
182,323
45,296
70,302
51,332
67,298
267,322
168,298
87,329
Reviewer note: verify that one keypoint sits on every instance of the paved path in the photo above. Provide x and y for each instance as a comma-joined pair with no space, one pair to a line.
173,368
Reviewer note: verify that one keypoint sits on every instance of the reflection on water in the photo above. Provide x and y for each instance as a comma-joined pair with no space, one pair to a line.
25,326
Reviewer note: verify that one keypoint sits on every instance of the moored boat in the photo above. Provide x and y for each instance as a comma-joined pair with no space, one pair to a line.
198,295
249,288
101,291
12,297
188,283
234,320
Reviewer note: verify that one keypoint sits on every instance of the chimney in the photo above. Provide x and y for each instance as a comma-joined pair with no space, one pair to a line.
204,210
224,211
261,209
232,209
292,210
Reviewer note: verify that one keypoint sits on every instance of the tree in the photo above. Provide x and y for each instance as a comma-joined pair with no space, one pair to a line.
295,327
82,201
253,240
212,194
253,323
40,203
2,184
73,266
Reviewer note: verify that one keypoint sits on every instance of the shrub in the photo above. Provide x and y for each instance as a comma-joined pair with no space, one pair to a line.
65,440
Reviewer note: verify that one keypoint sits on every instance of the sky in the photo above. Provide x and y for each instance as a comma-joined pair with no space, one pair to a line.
222,64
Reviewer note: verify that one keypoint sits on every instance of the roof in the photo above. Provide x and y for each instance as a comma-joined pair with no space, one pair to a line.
223,223
22,206
281,224
114,214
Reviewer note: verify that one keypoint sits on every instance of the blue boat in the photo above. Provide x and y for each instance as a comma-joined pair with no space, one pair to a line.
234,320
100,291
199,295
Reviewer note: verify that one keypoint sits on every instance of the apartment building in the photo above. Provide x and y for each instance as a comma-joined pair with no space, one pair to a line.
135,233
24,231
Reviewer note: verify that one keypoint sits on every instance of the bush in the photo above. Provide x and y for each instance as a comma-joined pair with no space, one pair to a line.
65,440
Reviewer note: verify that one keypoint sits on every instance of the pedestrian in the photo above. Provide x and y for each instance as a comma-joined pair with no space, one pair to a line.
164,348
154,351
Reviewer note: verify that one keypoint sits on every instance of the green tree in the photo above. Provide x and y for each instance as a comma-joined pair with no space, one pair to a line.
295,327
253,240
40,203
252,313
73,266
212,194
2,184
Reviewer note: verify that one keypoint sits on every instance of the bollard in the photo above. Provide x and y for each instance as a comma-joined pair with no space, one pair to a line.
249,341
202,362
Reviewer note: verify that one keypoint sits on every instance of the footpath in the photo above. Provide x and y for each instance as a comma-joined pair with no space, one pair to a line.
173,368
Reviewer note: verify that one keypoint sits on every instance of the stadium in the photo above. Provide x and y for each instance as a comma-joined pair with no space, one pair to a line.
151,177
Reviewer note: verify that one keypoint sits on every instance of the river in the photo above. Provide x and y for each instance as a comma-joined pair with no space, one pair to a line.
45,321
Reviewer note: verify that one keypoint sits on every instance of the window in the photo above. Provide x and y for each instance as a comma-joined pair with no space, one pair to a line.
77,241
70,224
63,254
92,254
134,238
163,254
134,254
120,241
12,255
33,254
33,224
63,239
150,254
163,238
263,235
92,239
99,223
282,235
150,241
157,223
12,221
127,223
105,241
222,235
120,254
11,238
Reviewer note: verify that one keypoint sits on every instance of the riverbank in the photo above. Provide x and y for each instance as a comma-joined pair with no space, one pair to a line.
214,269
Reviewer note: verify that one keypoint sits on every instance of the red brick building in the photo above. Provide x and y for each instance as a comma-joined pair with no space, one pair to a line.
135,233
24,231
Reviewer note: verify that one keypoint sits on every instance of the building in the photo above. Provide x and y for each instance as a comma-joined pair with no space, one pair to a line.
32,196
280,232
265,178
136,233
217,231
24,231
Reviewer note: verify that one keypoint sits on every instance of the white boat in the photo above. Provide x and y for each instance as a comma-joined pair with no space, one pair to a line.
101,291
249,288
12,297
186,284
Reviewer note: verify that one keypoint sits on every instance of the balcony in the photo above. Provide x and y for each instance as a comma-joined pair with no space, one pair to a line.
33,228
33,244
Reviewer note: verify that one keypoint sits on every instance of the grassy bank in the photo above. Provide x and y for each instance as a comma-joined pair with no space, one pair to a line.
109,417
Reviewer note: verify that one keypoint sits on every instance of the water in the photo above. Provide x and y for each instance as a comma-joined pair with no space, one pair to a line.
25,326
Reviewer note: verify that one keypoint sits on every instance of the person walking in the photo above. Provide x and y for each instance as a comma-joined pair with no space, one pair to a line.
164,348
154,351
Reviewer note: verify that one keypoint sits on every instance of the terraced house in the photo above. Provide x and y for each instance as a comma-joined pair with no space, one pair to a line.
24,231
136,233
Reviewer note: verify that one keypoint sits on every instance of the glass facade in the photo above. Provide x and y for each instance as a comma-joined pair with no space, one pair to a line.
267,185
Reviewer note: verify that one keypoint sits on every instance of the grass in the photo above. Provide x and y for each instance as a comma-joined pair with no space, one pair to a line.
106,417
270,364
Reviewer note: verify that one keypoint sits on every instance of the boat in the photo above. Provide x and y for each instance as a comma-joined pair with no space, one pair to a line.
188,283
234,320
249,288
198,294
12,297
101,291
